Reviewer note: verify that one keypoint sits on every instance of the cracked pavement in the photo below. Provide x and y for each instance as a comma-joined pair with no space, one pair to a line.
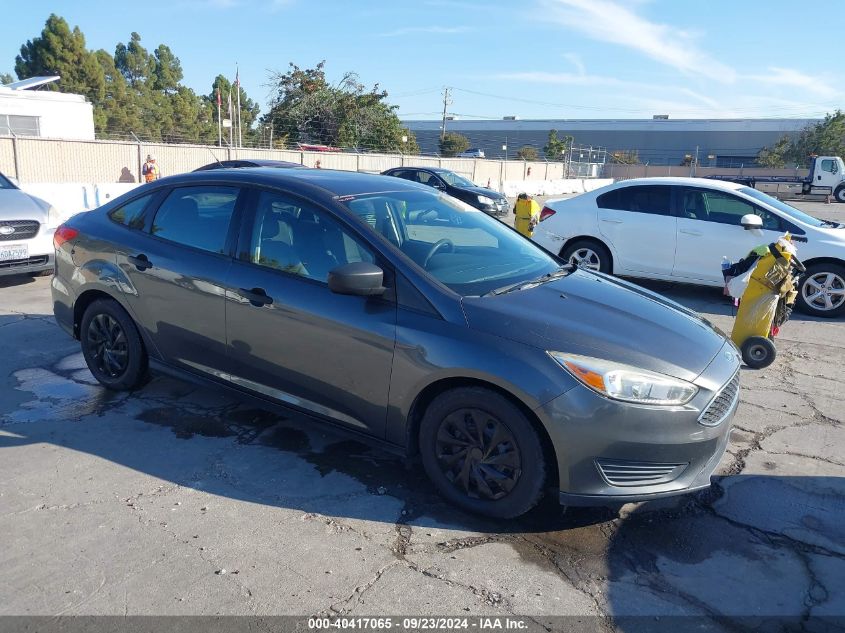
177,500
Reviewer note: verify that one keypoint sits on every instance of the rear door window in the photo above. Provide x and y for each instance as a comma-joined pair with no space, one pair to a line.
652,199
197,216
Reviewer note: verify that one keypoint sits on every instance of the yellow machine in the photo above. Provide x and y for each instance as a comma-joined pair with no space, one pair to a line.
767,301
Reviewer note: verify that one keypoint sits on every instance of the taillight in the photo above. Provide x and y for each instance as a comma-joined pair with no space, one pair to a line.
546,213
63,234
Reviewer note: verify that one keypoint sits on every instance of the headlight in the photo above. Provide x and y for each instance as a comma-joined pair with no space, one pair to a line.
623,382
485,200
54,218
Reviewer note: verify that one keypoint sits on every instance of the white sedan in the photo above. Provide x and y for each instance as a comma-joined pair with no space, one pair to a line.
27,225
679,229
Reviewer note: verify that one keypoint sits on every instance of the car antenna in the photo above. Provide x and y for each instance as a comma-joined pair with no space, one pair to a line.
215,156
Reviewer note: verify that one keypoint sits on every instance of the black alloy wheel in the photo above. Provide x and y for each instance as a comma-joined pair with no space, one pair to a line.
112,346
483,453
107,340
478,454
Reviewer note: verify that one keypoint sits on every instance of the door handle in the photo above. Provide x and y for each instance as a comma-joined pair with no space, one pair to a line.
256,296
140,261
611,221
689,232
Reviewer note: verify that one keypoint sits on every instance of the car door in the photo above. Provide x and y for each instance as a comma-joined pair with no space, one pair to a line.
637,222
828,174
177,269
292,339
709,228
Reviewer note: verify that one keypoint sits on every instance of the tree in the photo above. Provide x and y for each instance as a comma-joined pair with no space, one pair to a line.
826,138
307,109
526,152
453,143
167,70
6,78
556,148
625,157
134,62
61,51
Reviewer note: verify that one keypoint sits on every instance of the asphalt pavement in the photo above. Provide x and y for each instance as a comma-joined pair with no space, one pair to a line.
177,500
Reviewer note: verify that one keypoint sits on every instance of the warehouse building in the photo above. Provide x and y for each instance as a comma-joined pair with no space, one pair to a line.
657,141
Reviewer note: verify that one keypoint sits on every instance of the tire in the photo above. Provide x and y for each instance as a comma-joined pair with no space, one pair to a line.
588,254
758,352
112,346
839,194
514,474
821,290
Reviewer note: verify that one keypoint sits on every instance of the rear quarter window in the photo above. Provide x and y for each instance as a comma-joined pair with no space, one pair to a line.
131,214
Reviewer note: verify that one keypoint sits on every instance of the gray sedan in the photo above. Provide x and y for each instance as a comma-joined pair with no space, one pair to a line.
395,311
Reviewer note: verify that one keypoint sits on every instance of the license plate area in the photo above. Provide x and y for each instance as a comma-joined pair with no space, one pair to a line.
12,252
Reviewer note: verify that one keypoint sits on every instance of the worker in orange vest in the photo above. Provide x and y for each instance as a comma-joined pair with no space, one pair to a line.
150,170
527,213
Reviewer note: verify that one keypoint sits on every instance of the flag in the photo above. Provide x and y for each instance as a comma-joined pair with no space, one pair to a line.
230,104
218,97
237,80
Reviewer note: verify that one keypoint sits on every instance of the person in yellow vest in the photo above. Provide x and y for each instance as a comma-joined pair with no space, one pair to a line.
150,170
527,213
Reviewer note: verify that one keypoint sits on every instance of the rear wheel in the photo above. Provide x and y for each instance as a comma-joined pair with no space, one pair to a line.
821,290
587,254
112,346
482,453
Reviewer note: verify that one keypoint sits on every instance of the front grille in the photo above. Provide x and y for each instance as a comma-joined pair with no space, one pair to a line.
20,263
23,230
626,473
722,404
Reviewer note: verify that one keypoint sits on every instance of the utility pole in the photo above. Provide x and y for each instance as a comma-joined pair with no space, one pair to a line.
446,102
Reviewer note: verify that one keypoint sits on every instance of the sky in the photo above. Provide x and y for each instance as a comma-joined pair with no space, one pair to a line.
535,59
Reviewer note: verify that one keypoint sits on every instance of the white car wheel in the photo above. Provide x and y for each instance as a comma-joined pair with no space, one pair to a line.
824,291
586,258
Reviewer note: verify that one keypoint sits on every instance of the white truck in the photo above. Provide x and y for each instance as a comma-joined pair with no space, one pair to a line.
827,178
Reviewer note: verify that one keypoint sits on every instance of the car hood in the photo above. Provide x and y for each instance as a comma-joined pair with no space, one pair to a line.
482,191
600,316
18,205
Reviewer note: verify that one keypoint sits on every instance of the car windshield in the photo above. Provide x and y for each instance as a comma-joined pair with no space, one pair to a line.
781,206
461,247
5,183
454,179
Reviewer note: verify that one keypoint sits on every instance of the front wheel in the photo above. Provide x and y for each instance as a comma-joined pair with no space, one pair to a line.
112,346
839,194
482,453
587,254
821,290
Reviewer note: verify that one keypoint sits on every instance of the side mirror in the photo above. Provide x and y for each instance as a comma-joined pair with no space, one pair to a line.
751,221
359,278
436,184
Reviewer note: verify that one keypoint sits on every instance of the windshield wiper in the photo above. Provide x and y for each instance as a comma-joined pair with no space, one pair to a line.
835,225
520,285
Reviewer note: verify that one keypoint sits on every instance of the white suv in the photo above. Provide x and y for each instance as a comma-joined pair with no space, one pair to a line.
27,225
678,229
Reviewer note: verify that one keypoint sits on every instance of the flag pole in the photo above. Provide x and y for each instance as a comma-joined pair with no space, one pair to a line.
238,88
219,121
231,122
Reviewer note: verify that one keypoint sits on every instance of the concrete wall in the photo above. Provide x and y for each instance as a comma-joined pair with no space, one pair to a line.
60,161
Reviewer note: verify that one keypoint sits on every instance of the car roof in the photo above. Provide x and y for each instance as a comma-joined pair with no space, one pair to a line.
328,181
679,180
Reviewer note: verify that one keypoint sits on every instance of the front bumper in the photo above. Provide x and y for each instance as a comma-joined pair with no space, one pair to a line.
611,452
33,264
497,209
40,254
